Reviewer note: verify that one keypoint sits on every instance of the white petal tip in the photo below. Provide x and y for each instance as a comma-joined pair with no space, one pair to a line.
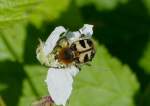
60,28
73,71
87,30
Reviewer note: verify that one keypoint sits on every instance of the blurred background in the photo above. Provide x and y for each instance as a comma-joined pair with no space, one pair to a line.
118,76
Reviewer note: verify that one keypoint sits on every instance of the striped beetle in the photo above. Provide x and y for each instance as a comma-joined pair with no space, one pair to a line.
78,52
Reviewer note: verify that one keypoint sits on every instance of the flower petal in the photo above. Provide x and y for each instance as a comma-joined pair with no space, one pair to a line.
87,30
73,71
52,39
73,36
59,82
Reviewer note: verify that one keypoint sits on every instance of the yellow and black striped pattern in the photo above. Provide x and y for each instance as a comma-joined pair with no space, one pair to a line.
84,50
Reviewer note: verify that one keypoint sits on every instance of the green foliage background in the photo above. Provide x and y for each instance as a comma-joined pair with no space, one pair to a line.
120,72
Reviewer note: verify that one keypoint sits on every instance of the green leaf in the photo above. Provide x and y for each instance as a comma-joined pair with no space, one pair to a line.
145,97
11,76
12,11
4,51
20,85
13,28
102,4
12,42
2,103
147,4
106,83
36,11
34,85
3,86
48,10
145,60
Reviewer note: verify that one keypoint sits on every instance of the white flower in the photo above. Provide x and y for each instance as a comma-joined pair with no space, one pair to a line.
59,80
